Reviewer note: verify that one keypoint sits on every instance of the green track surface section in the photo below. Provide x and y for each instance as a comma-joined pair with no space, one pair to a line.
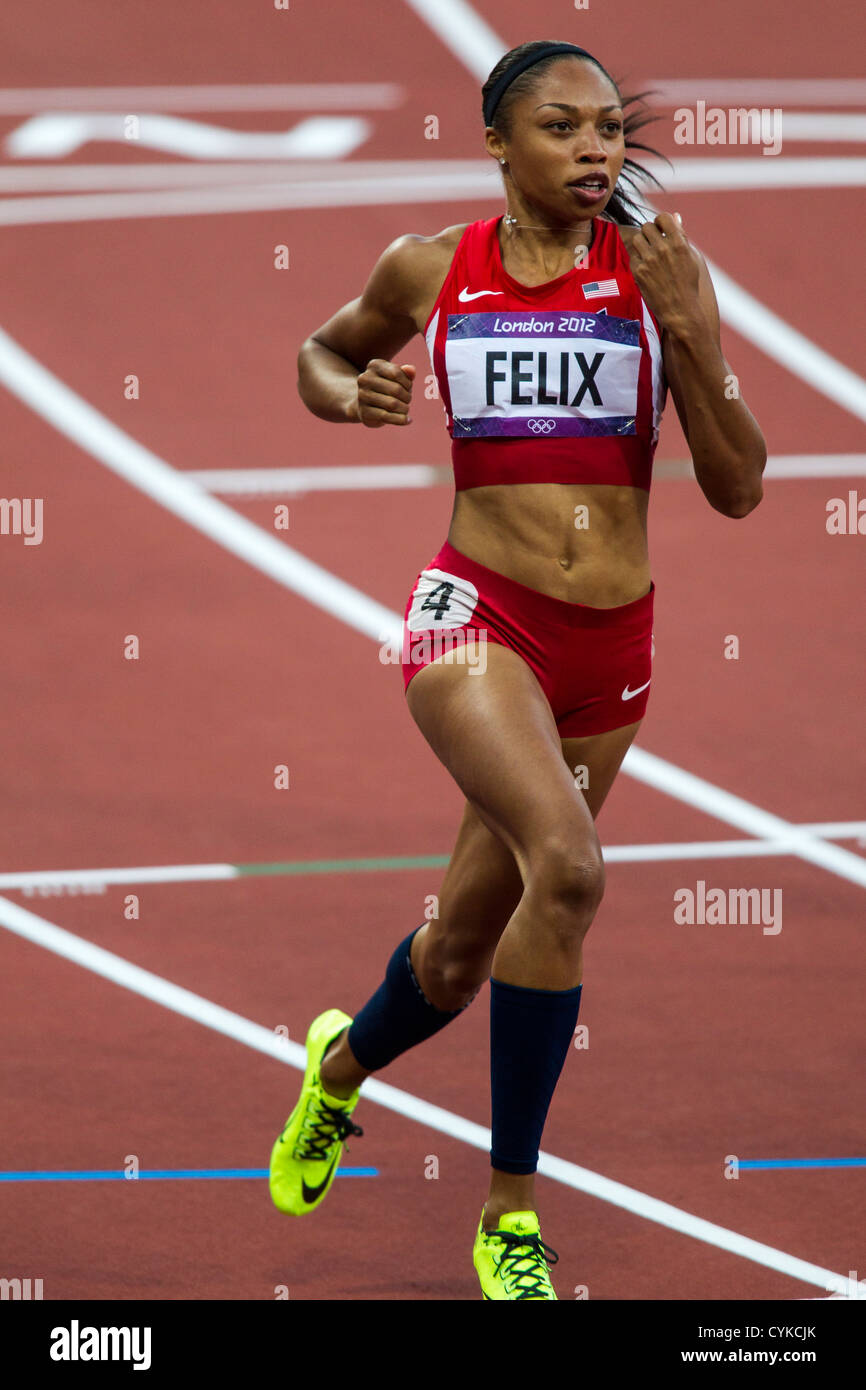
345,866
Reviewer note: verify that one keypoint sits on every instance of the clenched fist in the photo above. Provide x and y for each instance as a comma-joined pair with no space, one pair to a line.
385,393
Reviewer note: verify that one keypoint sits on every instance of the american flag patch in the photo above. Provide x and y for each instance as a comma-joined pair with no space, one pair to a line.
599,289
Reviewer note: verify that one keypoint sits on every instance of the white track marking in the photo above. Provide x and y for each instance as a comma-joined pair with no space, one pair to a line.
261,96
160,191
695,174
200,1010
36,879
239,482
757,91
100,878
465,33
735,810
68,413
328,478
72,416
753,320
195,202
469,177
816,466
823,125
131,175
57,134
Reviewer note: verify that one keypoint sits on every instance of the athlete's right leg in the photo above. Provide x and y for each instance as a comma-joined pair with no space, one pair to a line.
451,954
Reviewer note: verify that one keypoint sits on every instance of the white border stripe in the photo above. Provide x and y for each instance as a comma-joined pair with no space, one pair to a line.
327,478
753,320
262,96
386,476
469,177
735,810
758,91
219,195
613,854
100,878
815,466
195,1007
823,125
464,32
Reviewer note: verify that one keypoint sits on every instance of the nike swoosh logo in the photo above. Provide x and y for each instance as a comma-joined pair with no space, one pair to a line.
630,694
464,296
311,1193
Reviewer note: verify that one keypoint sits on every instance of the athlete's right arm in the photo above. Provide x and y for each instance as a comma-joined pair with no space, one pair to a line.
344,371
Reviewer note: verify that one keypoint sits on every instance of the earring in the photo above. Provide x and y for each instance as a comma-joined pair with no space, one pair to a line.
502,161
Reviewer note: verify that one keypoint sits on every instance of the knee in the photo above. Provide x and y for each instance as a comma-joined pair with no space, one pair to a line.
453,974
569,877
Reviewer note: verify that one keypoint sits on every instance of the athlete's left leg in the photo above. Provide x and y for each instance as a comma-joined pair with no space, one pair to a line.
595,761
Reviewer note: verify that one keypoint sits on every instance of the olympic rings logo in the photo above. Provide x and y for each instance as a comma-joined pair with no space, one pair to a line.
541,426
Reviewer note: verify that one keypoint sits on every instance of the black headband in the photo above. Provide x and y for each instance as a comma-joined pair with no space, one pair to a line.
529,60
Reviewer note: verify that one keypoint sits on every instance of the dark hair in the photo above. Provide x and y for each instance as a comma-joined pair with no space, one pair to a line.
621,207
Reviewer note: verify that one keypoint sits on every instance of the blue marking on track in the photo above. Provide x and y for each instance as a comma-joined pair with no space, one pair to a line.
759,1163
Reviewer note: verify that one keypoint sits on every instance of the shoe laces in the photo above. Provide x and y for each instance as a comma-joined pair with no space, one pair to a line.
324,1125
524,1263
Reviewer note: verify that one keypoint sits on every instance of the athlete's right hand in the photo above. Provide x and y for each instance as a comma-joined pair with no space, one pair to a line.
384,393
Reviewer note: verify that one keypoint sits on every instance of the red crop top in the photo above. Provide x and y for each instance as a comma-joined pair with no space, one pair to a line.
561,382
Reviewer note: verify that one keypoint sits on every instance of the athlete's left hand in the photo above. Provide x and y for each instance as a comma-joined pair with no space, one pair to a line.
666,268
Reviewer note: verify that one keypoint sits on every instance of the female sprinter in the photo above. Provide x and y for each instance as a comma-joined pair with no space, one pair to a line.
554,332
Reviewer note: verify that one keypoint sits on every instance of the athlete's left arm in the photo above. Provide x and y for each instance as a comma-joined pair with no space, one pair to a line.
727,447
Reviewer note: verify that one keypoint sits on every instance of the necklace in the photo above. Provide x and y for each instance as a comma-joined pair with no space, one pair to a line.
531,226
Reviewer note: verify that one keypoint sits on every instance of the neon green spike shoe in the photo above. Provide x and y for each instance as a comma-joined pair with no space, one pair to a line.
512,1261
305,1158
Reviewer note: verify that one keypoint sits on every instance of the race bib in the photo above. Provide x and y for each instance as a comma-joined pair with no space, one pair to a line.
441,600
543,373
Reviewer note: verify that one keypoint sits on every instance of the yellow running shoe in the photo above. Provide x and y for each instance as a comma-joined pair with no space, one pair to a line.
512,1260
304,1159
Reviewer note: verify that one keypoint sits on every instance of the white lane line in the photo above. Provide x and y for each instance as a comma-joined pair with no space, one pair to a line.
124,175
463,31
690,174
815,466
196,202
328,478
262,96
239,482
195,1007
100,878
33,879
822,125
753,320
68,413
697,175
49,398
735,810
758,91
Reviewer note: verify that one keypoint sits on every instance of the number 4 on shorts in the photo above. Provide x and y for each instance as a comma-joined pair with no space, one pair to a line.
442,603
